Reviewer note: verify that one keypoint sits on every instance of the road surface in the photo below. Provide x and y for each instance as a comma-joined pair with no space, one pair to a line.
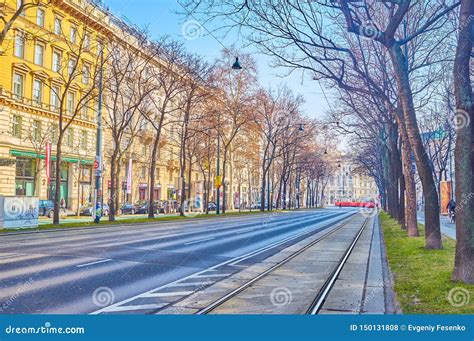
84,270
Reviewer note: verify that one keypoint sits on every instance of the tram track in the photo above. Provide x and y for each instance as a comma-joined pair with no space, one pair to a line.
325,289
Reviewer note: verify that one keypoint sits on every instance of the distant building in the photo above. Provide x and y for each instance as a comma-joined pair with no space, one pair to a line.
348,185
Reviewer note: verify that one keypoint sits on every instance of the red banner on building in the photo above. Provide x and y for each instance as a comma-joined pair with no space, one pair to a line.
48,161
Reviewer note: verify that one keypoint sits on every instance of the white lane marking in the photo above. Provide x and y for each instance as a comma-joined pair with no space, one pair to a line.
342,217
169,294
12,255
191,284
200,240
93,263
137,307
211,276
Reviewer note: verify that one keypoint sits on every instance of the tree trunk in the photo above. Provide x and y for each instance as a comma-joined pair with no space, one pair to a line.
57,180
432,218
113,186
411,222
464,152
151,190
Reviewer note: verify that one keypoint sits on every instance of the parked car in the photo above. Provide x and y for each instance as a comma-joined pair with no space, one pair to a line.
46,208
141,207
212,206
255,206
88,210
127,208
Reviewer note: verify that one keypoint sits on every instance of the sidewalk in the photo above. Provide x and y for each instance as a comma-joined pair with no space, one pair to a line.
447,228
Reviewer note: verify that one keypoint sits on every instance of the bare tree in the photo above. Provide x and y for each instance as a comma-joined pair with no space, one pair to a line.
237,89
75,86
196,90
276,25
163,104
128,85
8,15
464,262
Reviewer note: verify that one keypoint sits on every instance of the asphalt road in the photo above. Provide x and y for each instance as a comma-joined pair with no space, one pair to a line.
86,270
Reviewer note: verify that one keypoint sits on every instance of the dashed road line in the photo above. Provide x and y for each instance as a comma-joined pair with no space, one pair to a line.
169,294
189,284
199,241
93,263
212,275
136,307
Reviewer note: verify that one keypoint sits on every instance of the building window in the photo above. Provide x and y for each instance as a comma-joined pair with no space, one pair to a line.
57,26
56,65
70,102
16,126
18,85
25,177
71,66
55,97
40,17
84,139
86,74
19,46
87,42
19,3
85,112
37,91
36,130
39,53
70,137
54,133
73,34
99,47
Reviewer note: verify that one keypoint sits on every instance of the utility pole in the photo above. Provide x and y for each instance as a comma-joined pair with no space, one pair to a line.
218,170
98,201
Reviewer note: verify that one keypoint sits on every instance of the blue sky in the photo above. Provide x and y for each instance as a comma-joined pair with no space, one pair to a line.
160,17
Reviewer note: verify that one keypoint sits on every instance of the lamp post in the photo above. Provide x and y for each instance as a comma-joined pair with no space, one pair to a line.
98,201
218,167
238,67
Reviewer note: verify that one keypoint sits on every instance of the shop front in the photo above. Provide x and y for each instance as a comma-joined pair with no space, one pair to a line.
64,181
25,177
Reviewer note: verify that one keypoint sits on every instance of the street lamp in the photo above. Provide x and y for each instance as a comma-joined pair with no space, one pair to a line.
236,65
218,171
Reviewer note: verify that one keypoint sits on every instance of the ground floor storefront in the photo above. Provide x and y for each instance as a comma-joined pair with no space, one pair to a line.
24,173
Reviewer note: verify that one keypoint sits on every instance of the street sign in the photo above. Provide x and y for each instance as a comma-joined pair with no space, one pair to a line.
218,181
